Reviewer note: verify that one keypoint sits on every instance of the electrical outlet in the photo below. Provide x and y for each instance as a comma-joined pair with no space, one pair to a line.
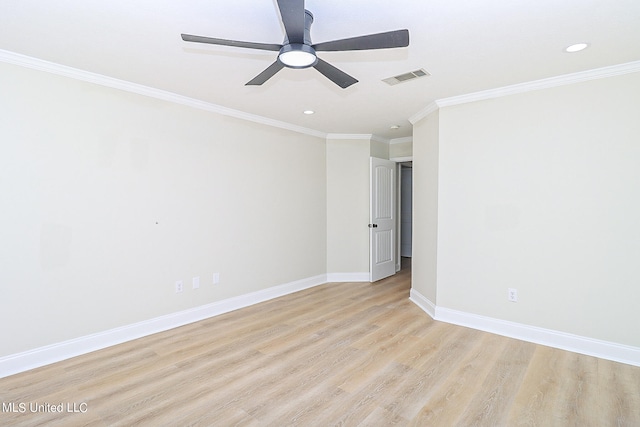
513,295
196,282
216,278
179,286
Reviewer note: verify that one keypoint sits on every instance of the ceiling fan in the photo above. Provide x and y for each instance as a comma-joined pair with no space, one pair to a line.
297,51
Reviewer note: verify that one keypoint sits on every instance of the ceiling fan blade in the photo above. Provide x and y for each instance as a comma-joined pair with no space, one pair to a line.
266,74
234,43
391,39
337,76
292,13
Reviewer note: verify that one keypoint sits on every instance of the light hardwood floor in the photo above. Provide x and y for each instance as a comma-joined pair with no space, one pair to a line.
339,354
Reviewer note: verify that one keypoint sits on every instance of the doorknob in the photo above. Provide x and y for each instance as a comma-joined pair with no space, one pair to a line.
373,225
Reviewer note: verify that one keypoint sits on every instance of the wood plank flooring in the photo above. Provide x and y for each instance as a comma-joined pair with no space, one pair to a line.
349,354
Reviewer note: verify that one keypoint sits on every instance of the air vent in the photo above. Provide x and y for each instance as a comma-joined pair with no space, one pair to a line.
406,77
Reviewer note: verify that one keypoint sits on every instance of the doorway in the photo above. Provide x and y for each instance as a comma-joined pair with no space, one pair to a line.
390,247
406,203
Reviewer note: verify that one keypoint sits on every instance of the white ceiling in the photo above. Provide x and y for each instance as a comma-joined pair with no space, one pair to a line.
467,46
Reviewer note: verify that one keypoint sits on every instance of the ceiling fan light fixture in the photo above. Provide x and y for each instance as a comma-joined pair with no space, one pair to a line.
297,56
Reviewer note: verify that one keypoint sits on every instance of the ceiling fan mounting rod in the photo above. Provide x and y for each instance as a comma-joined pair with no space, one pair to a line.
308,20
299,55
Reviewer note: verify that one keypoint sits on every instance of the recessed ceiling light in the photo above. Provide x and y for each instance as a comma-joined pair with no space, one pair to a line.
395,127
576,47
308,112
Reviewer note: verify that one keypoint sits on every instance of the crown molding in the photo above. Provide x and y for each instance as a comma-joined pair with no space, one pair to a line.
359,136
99,79
401,140
433,106
363,136
563,80
380,139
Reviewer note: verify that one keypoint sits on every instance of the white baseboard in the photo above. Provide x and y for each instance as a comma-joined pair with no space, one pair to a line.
562,340
31,359
421,301
348,277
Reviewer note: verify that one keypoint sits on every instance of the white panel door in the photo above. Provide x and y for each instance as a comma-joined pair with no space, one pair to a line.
382,221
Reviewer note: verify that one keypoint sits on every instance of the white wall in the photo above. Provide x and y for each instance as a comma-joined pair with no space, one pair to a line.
400,149
425,207
348,205
379,149
108,198
540,192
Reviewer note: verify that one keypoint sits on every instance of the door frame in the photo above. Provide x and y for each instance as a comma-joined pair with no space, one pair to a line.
398,161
